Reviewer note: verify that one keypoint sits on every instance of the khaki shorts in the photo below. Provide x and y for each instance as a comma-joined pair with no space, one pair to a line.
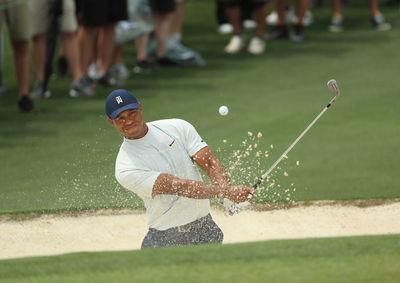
17,19
41,18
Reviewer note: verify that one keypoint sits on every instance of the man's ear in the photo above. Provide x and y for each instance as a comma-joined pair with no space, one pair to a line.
110,121
140,107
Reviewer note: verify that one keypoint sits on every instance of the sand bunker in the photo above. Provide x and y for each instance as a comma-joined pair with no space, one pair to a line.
124,230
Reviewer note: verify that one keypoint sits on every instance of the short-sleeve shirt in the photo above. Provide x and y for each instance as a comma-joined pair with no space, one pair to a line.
166,148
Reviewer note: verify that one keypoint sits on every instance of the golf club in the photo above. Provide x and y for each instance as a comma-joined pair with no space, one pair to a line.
333,86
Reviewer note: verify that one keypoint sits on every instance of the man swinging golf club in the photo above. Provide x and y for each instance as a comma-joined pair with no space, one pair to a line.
157,162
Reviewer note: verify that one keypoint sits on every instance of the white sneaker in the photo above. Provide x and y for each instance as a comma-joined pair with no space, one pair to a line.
336,24
380,23
272,18
249,24
225,29
120,71
235,44
94,72
256,46
308,18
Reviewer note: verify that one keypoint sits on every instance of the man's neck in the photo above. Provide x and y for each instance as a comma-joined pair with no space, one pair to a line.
141,135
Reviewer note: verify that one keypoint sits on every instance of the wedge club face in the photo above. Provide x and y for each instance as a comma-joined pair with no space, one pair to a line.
333,87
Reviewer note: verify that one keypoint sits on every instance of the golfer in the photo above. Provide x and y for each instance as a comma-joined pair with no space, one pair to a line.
157,161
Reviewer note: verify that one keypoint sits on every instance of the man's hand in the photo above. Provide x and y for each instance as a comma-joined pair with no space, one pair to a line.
239,193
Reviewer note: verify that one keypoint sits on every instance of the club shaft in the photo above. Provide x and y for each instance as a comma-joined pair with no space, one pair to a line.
284,155
237,207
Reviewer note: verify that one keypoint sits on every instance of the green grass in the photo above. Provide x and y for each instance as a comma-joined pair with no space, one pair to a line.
62,158
357,259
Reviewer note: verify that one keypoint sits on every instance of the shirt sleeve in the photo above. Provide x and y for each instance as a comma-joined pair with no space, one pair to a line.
139,181
191,138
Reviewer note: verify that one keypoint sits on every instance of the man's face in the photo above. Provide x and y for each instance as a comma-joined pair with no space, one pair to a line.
130,123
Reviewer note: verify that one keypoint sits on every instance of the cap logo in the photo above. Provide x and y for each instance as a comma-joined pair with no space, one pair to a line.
118,99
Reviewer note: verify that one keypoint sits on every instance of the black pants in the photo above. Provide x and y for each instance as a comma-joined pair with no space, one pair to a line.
201,231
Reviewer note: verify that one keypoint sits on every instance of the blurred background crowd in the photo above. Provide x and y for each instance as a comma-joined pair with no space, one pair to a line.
85,39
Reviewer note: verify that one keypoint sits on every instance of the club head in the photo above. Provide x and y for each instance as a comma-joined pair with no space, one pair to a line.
333,86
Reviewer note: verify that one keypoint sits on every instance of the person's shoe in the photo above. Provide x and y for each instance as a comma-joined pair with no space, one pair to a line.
272,18
308,18
235,44
38,91
249,24
336,24
278,32
297,34
166,62
25,104
107,79
119,72
83,87
380,24
256,46
94,72
62,66
143,67
225,29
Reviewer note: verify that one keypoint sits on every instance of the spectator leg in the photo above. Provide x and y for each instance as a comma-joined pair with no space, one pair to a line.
71,52
21,61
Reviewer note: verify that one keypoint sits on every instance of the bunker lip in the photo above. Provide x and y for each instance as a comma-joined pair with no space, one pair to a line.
23,216
356,203
121,230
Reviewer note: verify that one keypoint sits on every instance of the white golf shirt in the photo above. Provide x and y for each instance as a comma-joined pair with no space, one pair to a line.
166,148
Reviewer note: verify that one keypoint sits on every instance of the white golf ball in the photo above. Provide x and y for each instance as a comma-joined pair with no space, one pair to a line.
223,110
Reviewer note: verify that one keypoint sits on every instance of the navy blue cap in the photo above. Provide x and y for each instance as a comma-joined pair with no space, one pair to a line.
118,101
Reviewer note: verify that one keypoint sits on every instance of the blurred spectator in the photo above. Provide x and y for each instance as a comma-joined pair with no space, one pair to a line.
237,42
377,20
137,29
68,24
16,15
224,27
98,19
176,54
177,21
163,15
280,30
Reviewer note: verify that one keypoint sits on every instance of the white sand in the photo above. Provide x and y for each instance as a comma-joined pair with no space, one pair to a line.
55,234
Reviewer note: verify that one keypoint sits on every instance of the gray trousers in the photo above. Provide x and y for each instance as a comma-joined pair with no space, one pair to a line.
201,231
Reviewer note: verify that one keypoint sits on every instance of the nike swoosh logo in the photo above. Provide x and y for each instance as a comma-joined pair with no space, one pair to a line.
172,143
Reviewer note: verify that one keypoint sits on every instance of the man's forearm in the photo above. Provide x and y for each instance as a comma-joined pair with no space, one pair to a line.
218,175
169,184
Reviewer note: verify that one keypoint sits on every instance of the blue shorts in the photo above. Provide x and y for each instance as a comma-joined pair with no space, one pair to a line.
201,231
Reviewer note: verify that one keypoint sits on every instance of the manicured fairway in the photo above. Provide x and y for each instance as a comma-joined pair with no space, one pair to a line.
62,158
358,259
